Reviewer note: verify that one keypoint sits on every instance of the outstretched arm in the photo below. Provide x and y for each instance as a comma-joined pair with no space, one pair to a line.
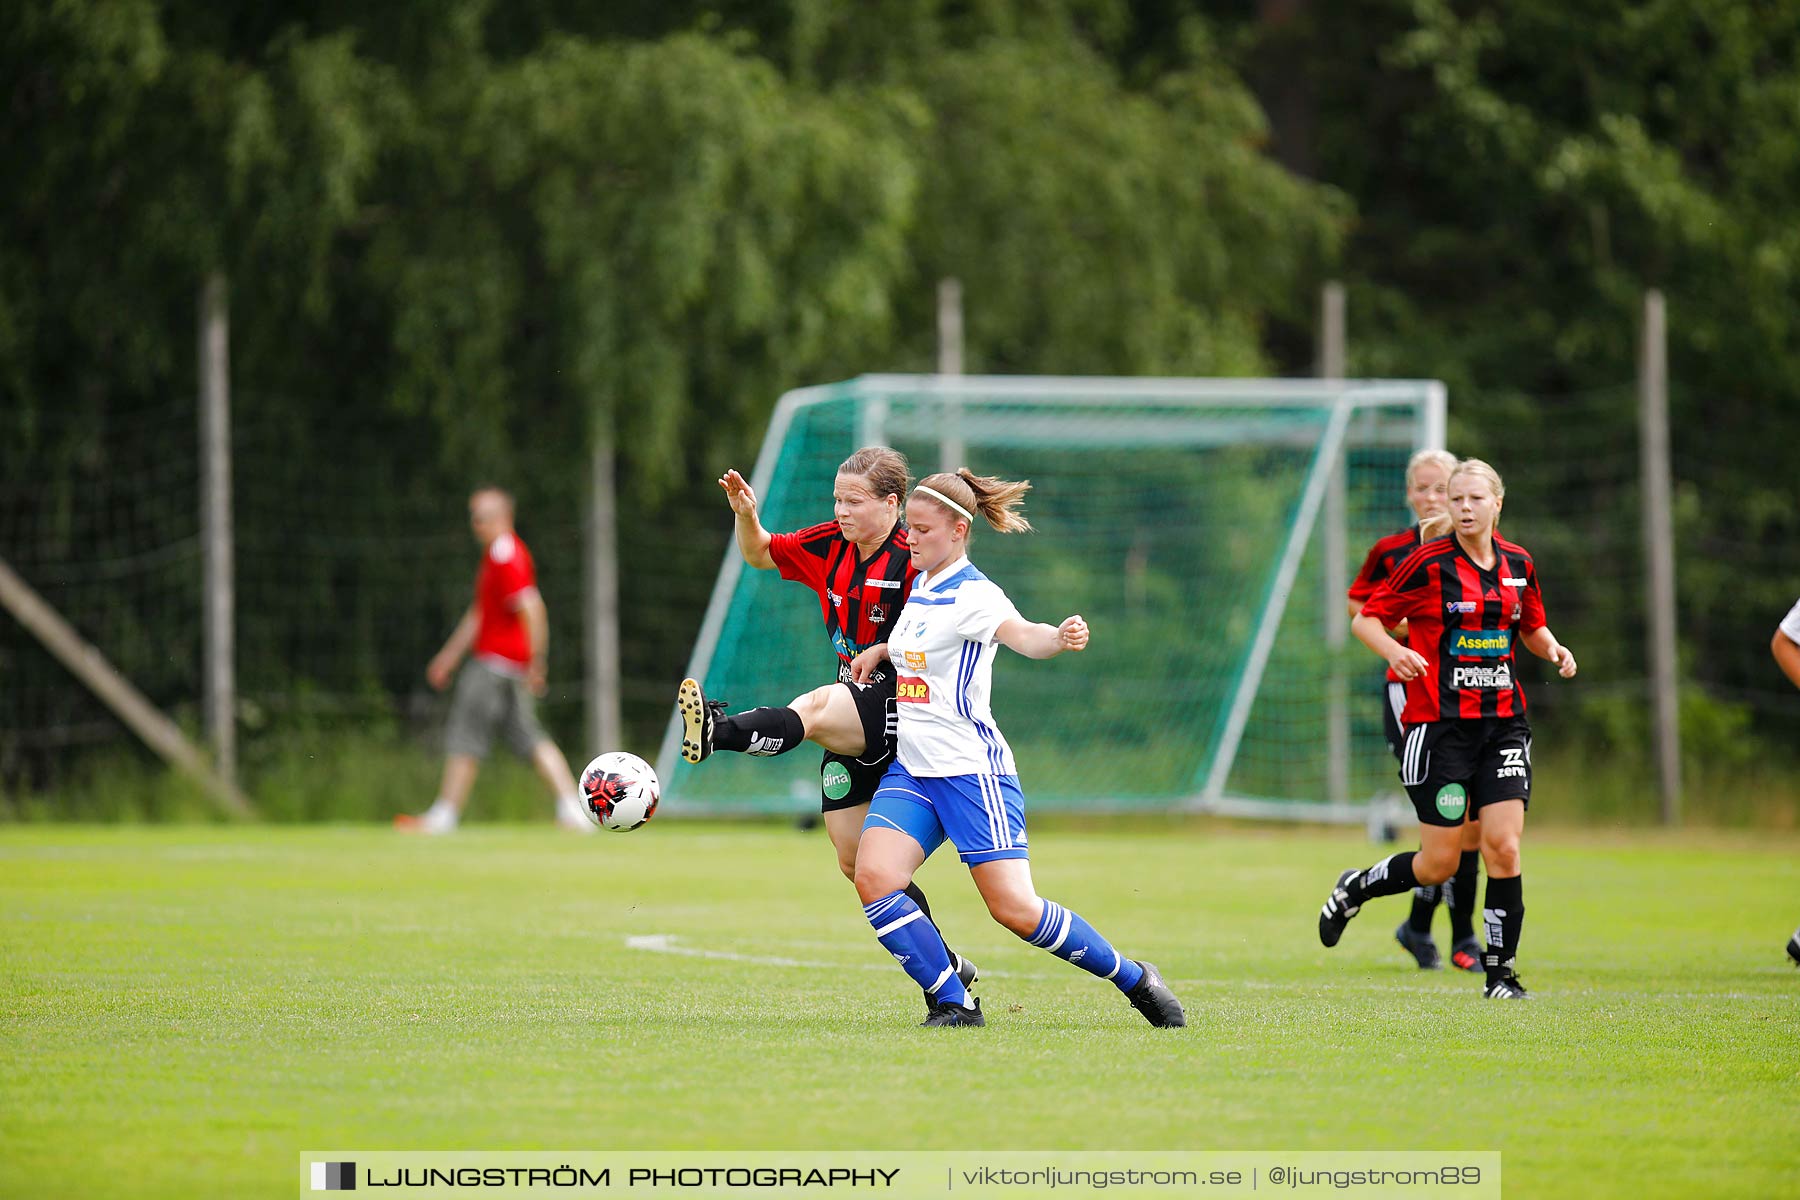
1034,639
752,539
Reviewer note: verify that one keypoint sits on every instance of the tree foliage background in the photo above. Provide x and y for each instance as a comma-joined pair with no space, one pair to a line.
502,230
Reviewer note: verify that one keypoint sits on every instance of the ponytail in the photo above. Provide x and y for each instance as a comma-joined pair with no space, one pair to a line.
997,500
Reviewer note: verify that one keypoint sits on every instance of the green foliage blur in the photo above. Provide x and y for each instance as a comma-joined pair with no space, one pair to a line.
511,229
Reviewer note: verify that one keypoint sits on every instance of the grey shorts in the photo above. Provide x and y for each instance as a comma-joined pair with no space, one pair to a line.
486,699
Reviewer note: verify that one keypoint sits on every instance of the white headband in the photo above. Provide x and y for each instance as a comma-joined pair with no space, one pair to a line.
954,506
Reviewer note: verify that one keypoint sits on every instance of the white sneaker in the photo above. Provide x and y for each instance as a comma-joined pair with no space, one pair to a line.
572,816
430,821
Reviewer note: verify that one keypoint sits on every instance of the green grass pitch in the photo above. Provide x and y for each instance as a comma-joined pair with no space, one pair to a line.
186,1009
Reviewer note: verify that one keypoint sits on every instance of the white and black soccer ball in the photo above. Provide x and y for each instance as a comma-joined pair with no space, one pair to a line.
619,791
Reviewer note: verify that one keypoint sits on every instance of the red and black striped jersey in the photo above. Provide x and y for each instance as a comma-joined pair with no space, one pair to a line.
1463,619
1383,557
860,598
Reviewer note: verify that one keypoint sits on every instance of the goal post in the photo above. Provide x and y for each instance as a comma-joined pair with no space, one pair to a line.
1185,518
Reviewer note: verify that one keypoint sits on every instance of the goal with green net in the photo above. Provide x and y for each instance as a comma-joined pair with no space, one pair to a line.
1206,528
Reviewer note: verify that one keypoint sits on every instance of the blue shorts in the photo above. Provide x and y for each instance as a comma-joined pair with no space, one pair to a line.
983,815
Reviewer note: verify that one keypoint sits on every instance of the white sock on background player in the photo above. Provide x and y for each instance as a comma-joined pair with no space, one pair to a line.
441,817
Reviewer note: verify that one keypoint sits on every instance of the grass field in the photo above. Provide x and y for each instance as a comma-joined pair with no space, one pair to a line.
186,1009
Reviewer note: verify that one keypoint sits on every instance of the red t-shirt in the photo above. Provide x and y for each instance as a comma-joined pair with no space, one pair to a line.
506,575
1463,620
860,598
1384,556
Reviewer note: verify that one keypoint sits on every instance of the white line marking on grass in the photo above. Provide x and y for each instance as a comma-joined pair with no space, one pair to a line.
664,943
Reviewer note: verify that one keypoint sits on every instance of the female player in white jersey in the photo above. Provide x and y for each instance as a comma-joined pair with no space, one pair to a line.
953,775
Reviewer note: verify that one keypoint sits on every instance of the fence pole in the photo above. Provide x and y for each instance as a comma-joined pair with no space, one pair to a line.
952,453
1659,554
605,727
1332,346
220,686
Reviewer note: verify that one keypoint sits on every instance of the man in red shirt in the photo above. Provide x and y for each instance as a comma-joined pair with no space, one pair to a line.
508,629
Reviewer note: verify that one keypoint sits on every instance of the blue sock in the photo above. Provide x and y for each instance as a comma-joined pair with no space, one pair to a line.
1067,936
916,945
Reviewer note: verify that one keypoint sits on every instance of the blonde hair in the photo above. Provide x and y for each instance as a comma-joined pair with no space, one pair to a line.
996,499
1439,525
1438,458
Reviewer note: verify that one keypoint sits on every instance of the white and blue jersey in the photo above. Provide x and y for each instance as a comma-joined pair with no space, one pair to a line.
953,773
943,653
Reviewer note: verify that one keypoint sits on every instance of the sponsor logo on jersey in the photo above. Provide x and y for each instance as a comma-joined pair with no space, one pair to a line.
1460,606
1452,800
1513,582
845,648
914,659
881,583
837,601
1496,677
1481,643
909,689
835,781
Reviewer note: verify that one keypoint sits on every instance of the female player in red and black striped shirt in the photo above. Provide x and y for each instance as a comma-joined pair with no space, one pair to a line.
1427,486
1468,744
860,564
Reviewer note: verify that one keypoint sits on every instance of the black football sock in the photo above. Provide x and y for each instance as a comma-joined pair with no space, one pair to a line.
1425,902
917,895
1389,877
1459,893
1504,916
762,731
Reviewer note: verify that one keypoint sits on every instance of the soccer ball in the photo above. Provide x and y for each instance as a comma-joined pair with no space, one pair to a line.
619,791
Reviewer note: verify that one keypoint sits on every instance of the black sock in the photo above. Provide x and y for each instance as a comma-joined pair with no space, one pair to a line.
1425,902
1504,916
917,895
763,731
1389,877
1460,893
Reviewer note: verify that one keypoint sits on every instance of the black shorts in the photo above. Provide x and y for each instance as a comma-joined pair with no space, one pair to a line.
1453,769
846,781
1395,696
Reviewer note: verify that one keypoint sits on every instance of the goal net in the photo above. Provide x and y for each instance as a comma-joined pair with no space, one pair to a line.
1206,528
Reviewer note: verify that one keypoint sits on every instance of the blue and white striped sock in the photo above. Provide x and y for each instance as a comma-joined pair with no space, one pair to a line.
1066,935
916,945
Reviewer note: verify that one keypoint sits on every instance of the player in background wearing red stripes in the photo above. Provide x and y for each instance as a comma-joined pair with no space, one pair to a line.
860,565
1468,744
1785,646
1427,484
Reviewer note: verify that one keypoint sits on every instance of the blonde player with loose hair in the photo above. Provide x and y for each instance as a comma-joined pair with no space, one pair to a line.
1468,744
1427,492
954,775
